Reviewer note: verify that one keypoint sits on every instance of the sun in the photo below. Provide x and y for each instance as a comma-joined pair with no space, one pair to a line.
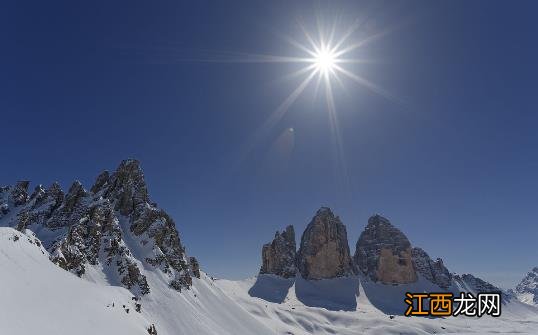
324,57
325,61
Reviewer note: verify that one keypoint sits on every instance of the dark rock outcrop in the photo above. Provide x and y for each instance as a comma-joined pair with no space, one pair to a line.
195,267
100,182
434,271
278,257
19,193
324,249
383,253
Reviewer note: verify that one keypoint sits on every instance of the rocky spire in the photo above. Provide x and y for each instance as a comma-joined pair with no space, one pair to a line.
19,193
434,271
324,249
278,257
383,253
74,196
126,187
38,194
127,191
100,182
55,193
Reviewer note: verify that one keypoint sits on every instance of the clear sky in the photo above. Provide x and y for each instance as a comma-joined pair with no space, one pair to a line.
450,158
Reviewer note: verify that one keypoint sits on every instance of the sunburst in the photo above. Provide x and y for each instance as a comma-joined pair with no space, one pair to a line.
325,59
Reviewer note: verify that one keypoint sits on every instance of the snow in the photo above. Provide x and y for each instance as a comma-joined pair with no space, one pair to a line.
38,297
353,305
58,302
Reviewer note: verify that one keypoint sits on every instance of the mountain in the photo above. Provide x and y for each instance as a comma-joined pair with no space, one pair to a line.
70,255
324,251
110,231
383,253
385,261
527,289
108,260
278,257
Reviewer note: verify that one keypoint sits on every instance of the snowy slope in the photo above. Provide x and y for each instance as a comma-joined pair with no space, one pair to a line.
38,297
58,302
294,307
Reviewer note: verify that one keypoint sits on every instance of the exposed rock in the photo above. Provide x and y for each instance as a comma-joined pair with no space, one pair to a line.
39,194
434,271
278,257
324,250
127,185
383,253
127,191
19,194
55,194
527,289
195,267
100,182
133,278
152,330
74,196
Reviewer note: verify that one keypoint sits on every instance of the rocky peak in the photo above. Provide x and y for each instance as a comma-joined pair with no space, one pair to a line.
38,193
19,194
278,257
527,289
126,187
55,193
324,249
100,182
434,271
74,195
383,253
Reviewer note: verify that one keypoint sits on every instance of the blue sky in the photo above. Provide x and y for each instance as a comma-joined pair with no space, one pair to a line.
452,160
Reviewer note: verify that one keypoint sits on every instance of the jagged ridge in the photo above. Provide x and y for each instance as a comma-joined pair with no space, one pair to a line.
84,229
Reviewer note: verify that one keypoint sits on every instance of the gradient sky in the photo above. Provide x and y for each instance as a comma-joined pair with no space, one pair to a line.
452,161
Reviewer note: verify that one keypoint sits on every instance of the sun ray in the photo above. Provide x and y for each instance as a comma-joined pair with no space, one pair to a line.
299,72
273,119
366,83
340,161
309,38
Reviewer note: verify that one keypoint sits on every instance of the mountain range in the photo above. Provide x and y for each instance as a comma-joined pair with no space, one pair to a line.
108,260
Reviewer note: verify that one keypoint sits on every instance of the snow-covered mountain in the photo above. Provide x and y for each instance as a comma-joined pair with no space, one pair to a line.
108,261
527,289
125,250
107,234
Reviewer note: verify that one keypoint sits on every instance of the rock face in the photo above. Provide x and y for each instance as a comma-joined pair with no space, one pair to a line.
324,250
19,193
527,289
278,257
434,271
383,253
84,229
